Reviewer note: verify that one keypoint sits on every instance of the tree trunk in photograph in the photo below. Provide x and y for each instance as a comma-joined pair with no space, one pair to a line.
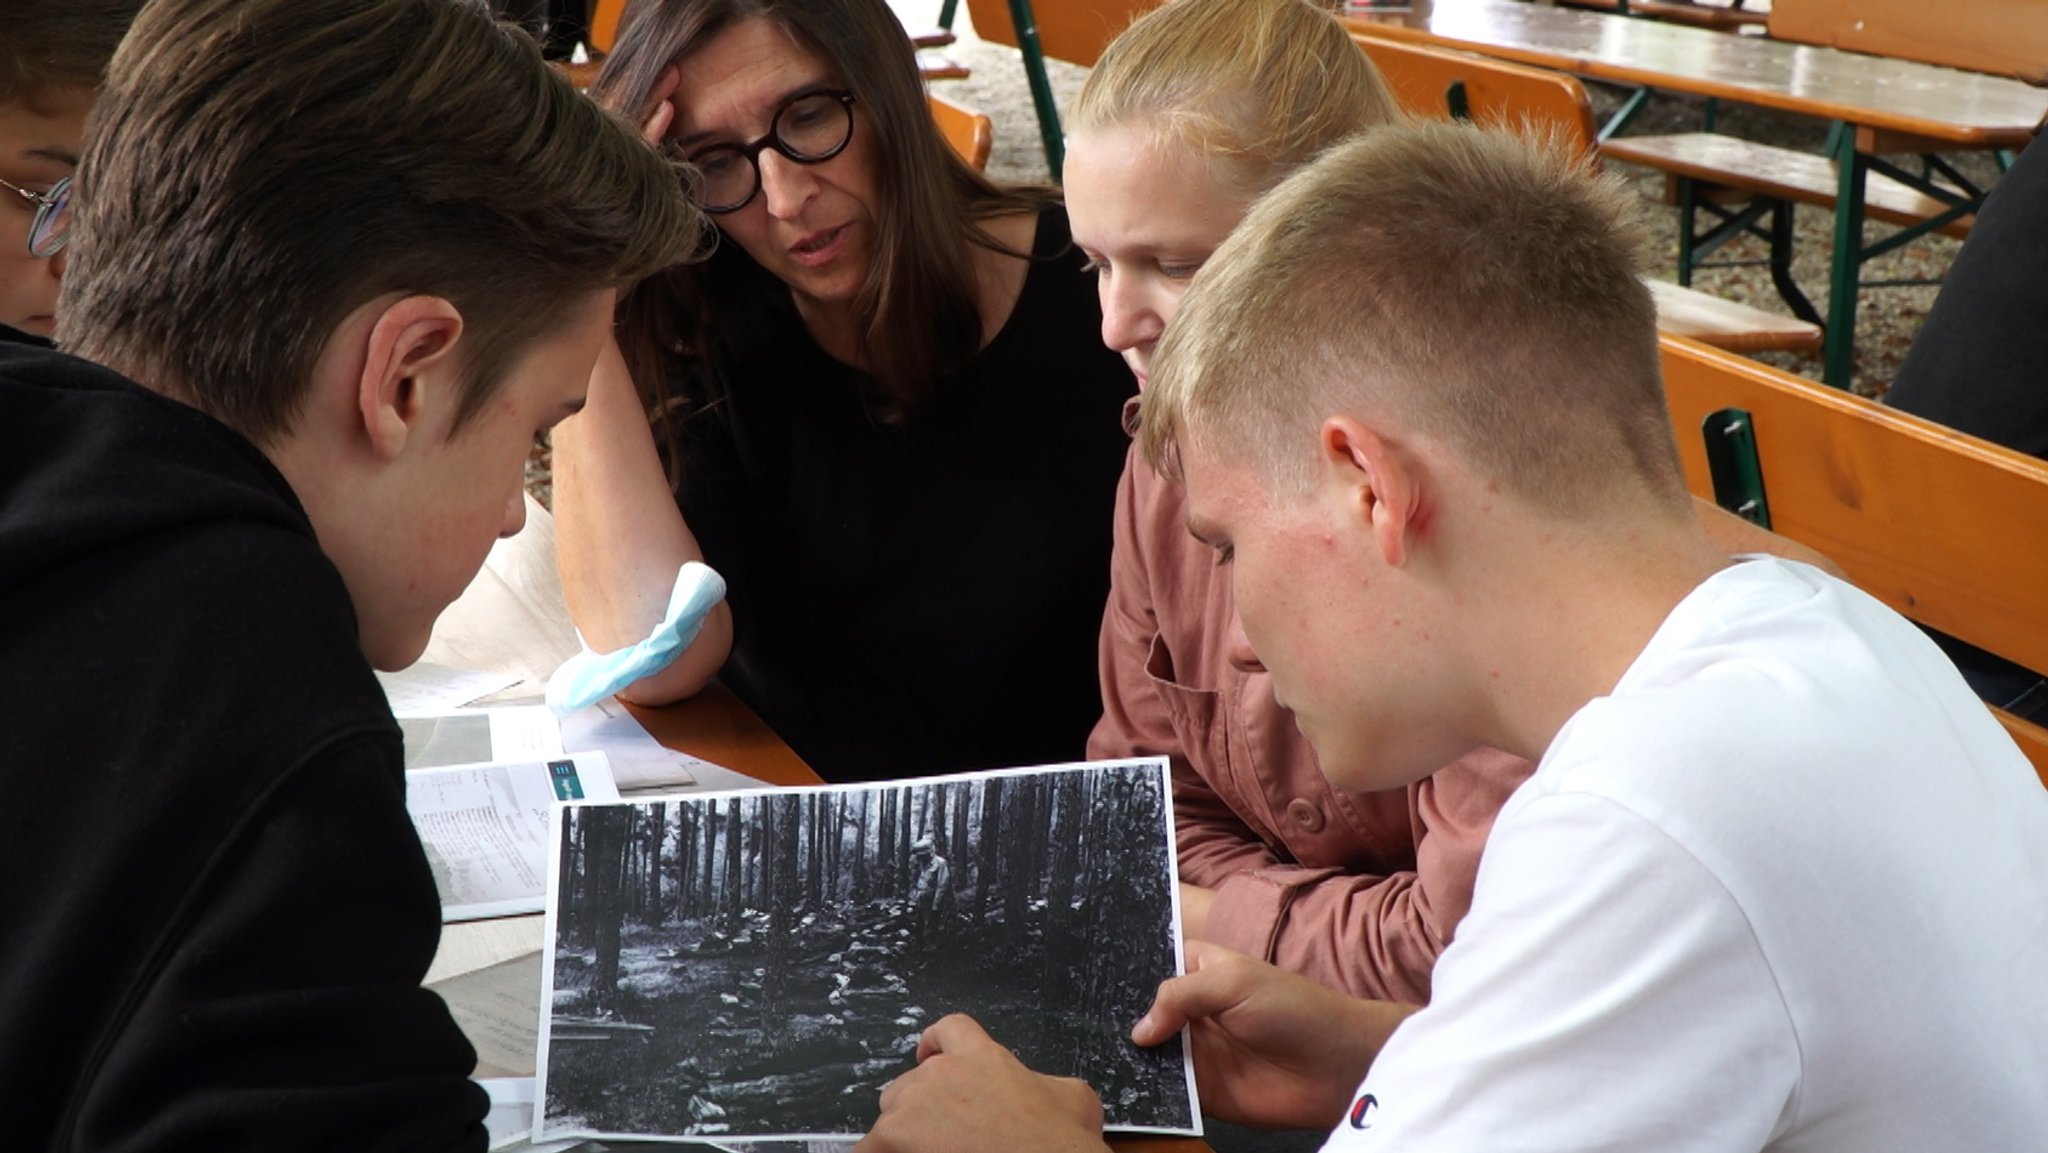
734,893
608,846
1064,831
707,902
575,886
821,819
782,898
958,841
860,853
885,876
757,855
1020,825
686,860
657,831
905,871
989,888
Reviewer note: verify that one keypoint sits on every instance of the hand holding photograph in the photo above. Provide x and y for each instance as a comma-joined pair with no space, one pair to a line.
757,965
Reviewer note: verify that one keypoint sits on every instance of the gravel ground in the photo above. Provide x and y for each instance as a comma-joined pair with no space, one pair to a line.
1886,318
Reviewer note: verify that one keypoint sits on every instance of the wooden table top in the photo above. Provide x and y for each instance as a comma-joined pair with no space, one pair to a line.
1966,109
720,728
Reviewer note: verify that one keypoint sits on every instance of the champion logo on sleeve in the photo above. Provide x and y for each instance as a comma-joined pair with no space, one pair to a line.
1362,1111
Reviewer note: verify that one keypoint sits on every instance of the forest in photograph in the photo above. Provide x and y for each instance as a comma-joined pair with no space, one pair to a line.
762,964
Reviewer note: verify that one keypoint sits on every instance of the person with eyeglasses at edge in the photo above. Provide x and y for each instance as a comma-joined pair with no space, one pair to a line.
880,410
51,60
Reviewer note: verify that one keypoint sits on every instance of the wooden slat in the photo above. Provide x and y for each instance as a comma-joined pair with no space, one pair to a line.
1498,94
1728,324
1073,30
2002,37
933,64
1942,526
969,132
1516,97
1782,173
604,26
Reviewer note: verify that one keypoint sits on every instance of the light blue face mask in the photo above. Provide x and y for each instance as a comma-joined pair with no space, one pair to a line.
589,677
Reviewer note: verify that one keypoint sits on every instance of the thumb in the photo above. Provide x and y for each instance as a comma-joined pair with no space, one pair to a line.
1212,985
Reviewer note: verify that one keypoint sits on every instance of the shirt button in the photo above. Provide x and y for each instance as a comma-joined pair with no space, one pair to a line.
1306,815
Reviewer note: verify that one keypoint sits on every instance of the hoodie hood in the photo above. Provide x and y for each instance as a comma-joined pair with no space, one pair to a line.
91,461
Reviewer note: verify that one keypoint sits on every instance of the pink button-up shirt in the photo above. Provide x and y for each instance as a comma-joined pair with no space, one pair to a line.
1358,890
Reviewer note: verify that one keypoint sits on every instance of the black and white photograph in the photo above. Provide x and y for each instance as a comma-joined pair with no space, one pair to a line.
759,965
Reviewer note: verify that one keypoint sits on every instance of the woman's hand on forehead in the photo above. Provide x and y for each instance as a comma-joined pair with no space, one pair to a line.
660,114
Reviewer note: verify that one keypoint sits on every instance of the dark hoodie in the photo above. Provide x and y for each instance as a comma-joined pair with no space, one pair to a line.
216,913
10,335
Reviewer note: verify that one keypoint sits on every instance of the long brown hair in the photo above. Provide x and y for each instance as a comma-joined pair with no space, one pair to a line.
918,309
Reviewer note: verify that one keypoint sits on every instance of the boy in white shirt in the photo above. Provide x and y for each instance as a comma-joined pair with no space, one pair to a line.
1779,881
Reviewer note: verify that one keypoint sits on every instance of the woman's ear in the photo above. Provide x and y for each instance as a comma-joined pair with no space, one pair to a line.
409,369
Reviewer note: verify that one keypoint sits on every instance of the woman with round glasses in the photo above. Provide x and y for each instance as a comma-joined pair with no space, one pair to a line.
880,409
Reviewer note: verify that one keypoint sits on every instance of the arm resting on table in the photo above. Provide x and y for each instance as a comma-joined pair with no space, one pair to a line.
620,538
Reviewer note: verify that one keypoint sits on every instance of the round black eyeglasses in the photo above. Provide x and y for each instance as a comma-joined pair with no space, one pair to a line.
810,128
46,231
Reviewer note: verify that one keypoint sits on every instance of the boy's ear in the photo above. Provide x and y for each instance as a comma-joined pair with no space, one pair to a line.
1379,485
408,369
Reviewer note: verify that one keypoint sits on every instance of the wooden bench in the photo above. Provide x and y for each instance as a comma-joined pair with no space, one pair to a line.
1941,526
2002,37
1741,183
1727,167
969,132
1435,82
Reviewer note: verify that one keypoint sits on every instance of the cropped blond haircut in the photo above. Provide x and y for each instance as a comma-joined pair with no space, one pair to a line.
1258,87
1472,286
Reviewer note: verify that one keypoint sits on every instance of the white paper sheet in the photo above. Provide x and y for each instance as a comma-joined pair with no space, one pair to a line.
428,687
486,828
770,998
638,761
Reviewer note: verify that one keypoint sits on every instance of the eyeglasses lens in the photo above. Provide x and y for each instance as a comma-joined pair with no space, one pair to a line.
47,234
809,130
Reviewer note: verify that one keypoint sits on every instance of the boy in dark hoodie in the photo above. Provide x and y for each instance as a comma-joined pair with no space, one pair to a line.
333,265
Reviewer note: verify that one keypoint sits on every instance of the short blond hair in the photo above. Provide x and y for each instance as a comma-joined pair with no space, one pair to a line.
1260,86
1476,287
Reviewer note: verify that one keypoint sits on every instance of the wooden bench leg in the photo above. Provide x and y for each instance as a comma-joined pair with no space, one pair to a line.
1695,244
1025,23
1781,265
1846,266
